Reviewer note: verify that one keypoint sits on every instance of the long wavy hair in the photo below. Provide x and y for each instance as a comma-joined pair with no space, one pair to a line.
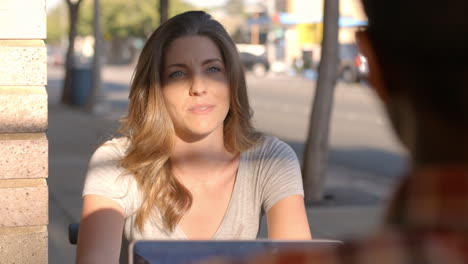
150,130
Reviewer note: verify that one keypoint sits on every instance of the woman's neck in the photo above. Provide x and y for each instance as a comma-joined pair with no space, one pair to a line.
201,159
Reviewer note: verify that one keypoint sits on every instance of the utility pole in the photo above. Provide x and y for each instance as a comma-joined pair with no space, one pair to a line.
73,7
316,150
97,63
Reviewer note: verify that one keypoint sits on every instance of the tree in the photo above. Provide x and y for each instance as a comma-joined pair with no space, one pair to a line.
73,7
123,21
56,28
96,75
123,18
163,11
119,20
316,151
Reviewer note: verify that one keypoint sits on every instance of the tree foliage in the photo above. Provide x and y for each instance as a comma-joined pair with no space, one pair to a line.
124,18
235,7
57,24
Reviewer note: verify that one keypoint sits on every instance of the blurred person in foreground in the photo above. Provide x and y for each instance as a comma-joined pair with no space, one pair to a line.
190,165
418,56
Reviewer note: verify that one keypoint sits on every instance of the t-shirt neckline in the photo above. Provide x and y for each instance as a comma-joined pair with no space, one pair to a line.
228,213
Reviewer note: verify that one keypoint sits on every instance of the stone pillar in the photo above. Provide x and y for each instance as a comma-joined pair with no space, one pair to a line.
23,123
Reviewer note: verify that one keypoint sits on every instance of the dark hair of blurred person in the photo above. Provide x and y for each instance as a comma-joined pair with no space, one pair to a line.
417,52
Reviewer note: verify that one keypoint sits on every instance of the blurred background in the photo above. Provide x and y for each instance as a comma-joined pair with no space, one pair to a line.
280,45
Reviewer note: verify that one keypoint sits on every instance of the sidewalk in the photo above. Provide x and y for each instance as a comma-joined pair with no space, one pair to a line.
73,136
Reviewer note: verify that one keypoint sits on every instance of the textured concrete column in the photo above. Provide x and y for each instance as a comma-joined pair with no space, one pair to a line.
23,122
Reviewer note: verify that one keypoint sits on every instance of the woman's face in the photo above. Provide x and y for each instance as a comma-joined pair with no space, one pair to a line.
195,87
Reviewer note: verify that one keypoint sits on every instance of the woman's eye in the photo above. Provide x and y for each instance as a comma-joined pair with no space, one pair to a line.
176,74
214,69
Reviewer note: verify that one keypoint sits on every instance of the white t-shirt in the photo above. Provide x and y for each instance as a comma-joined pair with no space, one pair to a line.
267,173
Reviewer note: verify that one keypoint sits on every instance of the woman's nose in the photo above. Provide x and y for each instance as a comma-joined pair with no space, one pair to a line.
198,86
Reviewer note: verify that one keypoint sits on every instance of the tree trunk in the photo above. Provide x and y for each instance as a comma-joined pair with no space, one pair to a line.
316,151
163,11
70,59
96,75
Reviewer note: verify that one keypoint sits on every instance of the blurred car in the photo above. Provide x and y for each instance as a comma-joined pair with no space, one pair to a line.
258,65
353,65
363,66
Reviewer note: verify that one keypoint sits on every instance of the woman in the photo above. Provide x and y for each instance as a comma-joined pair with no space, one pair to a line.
190,165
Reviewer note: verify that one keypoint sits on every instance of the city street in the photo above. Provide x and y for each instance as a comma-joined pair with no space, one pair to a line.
364,163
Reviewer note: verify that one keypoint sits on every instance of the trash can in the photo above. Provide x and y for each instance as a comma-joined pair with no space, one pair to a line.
80,85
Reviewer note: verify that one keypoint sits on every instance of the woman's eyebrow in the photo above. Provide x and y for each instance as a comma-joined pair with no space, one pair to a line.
212,60
175,65
203,63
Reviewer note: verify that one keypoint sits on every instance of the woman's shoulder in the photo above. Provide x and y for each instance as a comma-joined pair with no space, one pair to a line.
270,145
274,170
105,176
270,151
113,148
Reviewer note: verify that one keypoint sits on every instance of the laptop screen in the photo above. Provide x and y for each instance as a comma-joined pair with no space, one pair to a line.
185,252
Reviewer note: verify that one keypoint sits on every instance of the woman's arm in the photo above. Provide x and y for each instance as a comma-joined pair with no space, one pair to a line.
287,219
101,227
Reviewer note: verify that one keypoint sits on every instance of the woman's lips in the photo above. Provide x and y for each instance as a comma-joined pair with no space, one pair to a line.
201,109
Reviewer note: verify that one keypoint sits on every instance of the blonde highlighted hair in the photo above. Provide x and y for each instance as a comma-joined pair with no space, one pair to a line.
149,128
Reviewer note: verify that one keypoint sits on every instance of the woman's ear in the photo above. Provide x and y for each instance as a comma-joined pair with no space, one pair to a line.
375,76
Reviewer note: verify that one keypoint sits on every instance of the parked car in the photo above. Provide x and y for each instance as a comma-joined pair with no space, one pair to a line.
353,65
363,66
258,65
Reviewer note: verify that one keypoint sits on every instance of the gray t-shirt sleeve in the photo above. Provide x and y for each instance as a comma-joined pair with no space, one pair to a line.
104,175
282,173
